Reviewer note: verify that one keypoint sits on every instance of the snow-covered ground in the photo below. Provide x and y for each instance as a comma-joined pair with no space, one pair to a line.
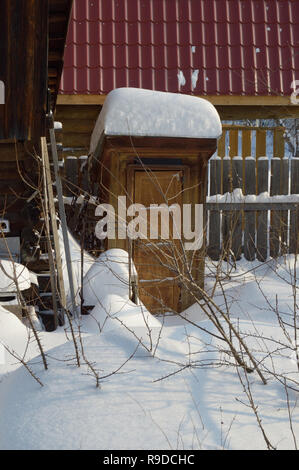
163,384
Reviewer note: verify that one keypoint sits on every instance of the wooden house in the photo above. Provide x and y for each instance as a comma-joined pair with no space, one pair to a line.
32,41
32,38
242,56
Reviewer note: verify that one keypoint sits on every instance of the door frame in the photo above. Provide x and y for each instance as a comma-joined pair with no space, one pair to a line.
132,169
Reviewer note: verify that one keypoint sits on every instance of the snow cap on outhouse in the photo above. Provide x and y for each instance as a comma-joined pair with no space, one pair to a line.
139,112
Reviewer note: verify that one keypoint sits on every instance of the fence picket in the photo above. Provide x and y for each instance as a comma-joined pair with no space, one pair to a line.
233,142
284,189
71,176
236,217
246,143
294,215
262,217
275,215
249,217
226,216
260,143
214,219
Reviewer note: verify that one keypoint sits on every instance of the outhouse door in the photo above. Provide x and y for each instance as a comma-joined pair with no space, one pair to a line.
157,258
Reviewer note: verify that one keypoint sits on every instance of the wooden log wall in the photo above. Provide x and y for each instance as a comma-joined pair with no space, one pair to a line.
78,124
23,68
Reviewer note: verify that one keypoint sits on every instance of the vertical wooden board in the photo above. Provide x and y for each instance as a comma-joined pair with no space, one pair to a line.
249,216
294,216
295,176
275,223
226,218
214,247
237,173
250,176
262,180
215,176
83,173
278,142
236,234
236,217
260,146
246,143
233,142
114,192
262,219
71,185
221,145
284,189
226,175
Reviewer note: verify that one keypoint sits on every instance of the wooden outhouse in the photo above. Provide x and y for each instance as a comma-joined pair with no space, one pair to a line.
148,159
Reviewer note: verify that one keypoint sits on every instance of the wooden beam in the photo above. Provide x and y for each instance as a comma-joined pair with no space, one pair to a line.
238,112
235,100
250,206
57,18
10,152
80,99
52,72
54,56
228,109
225,100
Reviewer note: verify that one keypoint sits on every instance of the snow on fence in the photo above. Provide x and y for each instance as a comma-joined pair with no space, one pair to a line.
252,207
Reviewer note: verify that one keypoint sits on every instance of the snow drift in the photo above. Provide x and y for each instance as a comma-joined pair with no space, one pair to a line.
10,273
106,287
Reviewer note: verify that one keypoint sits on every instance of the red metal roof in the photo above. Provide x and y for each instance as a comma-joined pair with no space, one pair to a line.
217,47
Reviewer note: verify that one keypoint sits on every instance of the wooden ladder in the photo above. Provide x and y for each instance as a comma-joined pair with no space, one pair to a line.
52,303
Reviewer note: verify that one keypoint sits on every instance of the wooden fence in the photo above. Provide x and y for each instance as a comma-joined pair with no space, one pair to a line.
259,228
251,141
250,221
